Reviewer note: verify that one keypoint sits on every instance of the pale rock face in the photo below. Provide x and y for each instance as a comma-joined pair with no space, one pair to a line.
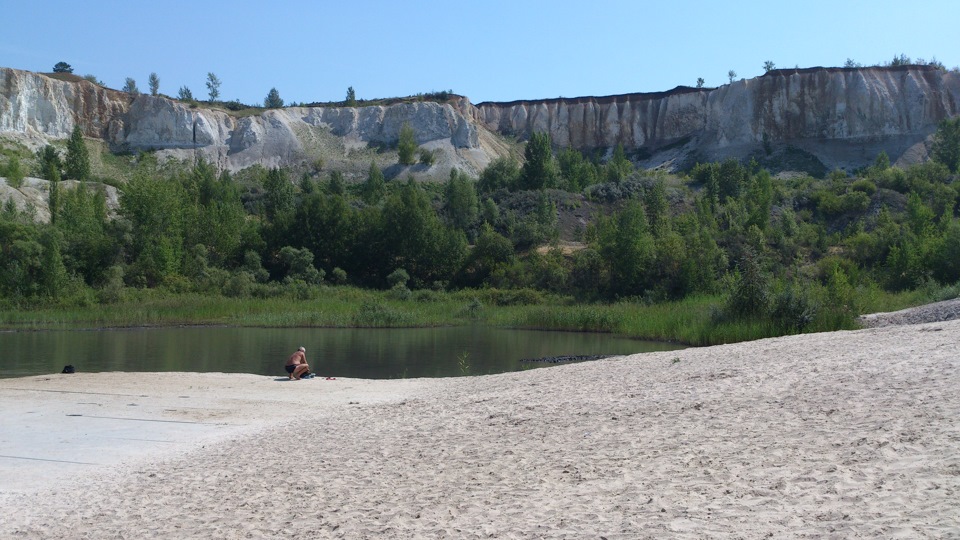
381,125
843,117
39,107
33,196
33,104
870,109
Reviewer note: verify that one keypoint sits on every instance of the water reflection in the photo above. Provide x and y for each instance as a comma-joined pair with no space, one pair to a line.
362,353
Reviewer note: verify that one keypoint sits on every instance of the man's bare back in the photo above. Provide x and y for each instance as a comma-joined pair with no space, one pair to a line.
298,357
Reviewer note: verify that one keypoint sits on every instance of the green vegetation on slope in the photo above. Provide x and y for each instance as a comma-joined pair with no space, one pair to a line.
724,253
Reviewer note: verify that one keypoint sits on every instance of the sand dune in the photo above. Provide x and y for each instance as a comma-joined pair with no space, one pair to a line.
838,435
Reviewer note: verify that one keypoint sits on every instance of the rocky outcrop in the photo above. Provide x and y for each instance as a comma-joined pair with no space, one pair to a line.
837,117
36,108
32,196
843,116
283,136
39,107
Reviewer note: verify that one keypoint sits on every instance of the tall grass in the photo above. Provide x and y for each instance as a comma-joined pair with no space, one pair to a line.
689,321
876,300
336,307
694,320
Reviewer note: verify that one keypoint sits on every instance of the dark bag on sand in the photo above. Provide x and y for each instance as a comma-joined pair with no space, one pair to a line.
68,369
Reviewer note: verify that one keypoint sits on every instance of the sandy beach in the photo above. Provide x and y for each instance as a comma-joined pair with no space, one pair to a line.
836,435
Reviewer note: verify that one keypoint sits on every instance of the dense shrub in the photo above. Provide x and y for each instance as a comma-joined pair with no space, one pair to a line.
750,294
376,314
792,309
338,276
510,297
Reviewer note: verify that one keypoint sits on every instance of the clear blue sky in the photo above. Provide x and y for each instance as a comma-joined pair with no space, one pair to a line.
488,51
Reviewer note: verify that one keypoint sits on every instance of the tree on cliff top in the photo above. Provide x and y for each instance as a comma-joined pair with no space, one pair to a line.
273,99
154,82
213,86
130,87
351,100
769,66
902,60
62,67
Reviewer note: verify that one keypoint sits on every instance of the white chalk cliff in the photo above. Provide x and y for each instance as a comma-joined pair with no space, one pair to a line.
36,108
843,117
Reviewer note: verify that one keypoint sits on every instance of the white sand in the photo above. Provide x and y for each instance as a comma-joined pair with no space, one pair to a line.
838,435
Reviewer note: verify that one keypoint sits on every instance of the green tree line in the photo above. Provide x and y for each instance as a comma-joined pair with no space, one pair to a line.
796,251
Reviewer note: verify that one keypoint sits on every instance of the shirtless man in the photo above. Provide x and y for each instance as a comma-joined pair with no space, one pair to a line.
297,364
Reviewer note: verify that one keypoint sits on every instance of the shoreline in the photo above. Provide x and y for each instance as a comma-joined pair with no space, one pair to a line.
847,433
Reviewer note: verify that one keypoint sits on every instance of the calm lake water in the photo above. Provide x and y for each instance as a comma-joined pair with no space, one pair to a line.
350,352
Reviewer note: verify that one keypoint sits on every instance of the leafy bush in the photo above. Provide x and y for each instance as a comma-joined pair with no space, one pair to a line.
398,277
750,294
300,265
501,173
113,286
302,290
253,266
473,310
267,290
440,96
511,297
830,204
13,172
855,201
427,157
375,314
864,185
399,292
338,276
792,309
239,285
235,105
893,178
426,296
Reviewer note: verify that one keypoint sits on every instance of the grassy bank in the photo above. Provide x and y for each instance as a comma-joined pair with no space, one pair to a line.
692,321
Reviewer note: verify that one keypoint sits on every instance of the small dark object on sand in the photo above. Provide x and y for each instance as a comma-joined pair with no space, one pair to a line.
570,358
69,369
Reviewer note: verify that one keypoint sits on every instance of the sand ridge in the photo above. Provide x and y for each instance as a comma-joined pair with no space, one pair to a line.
843,434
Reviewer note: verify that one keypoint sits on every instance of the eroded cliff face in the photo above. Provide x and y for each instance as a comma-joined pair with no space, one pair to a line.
279,137
842,116
36,108
40,107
